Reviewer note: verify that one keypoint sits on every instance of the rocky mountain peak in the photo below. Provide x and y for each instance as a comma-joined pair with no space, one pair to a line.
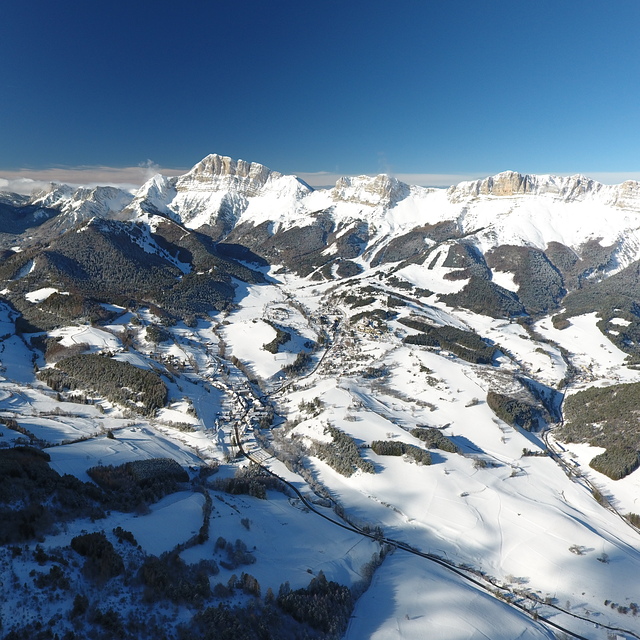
214,171
512,183
52,194
154,195
507,183
378,190
626,195
13,199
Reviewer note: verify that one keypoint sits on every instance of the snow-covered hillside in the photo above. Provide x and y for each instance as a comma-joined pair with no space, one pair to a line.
234,404
508,208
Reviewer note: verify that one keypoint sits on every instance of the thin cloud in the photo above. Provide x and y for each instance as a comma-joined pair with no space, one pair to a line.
437,179
26,181
24,186
150,169
326,178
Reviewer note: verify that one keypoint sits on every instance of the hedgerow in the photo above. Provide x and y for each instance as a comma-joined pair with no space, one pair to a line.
434,439
605,417
616,462
467,345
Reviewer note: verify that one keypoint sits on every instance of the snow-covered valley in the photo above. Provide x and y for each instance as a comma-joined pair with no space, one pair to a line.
413,412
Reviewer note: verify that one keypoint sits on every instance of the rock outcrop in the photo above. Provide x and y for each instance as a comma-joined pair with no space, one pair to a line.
381,190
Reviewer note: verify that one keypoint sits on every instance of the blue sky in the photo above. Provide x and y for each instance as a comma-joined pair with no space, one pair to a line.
430,89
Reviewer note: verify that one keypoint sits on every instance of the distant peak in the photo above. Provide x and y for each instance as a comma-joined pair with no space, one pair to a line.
381,189
217,173
512,183
215,165
53,188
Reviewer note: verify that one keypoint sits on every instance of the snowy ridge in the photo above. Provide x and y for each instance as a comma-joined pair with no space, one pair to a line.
219,188
82,203
154,195
510,208
220,194
380,190
217,172
568,189
482,509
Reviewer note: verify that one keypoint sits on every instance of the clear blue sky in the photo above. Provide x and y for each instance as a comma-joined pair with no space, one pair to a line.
348,86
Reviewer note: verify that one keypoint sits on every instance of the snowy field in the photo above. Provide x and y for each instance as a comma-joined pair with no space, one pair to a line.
598,359
289,543
414,600
518,519
247,332
129,443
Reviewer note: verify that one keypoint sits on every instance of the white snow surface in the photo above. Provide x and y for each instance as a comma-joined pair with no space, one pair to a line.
597,358
96,339
406,601
504,209
515,518
78,204
247,332
520,520
40,294
131,443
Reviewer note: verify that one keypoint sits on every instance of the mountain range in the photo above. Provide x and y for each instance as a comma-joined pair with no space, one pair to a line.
510,244
417,405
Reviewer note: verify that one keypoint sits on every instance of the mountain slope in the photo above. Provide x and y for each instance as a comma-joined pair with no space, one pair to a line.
364,221
250,407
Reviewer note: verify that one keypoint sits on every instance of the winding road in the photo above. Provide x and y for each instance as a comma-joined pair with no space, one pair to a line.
474,577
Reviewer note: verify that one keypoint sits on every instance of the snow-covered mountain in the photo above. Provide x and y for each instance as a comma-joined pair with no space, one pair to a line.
220,194
81,203
217,192
569,189
60,206
232,405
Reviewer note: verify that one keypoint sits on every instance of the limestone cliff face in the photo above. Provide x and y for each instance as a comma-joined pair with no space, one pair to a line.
215,173
569,189
380,190
508,183
626,195
217,191
511,183
374,218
